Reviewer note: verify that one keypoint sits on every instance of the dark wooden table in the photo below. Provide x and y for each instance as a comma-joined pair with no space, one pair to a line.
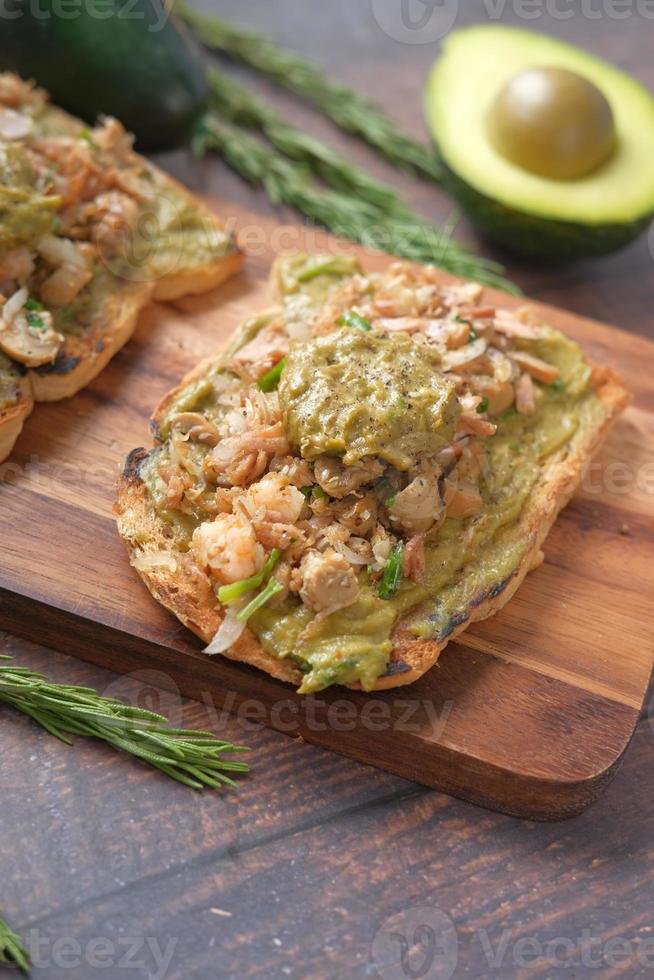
316,866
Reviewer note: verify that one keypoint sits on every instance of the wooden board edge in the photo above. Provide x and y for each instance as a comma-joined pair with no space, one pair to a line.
446,770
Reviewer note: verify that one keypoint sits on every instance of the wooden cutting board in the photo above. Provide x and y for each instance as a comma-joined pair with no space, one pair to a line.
530,713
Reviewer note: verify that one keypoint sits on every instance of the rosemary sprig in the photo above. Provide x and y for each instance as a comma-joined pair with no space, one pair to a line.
346,107
194,758
288,182
12,948
240,106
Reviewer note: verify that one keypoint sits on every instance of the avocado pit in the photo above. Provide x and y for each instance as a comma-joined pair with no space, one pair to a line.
552,122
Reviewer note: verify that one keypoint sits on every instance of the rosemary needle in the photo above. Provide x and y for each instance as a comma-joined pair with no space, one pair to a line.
240,106
195,758
12,949
289,182
343,105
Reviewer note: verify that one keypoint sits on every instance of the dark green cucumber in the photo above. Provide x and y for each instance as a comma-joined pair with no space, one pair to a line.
125,58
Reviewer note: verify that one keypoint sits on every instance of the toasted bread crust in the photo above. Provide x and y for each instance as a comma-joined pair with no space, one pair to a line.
13,417
188,593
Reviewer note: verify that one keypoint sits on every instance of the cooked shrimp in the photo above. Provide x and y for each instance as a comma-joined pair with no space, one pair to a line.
475,424
510,325
500,394
277,498
283,536
418,507
525,395
536,367
328,582
298,471
240,455
264,350
227,548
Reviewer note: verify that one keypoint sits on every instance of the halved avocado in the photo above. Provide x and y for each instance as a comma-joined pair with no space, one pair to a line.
528,213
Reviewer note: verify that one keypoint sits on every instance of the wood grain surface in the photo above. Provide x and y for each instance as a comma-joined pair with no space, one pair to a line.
303,871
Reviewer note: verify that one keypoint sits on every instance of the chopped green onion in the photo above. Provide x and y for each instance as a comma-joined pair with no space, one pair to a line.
66,314
483,405
391,500
314,490
510,412
270,380
350,318
392,576
86,133
273,587
334,265
227,593
462,319
472,335
34,320
56,224
33,304
558,385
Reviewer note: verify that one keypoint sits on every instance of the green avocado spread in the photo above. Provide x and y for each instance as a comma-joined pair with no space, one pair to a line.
352,393
25,214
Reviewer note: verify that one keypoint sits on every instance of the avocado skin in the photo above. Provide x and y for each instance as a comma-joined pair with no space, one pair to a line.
535,236
140,68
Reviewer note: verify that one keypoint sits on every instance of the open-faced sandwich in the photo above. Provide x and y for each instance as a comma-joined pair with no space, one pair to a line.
89,233
368,468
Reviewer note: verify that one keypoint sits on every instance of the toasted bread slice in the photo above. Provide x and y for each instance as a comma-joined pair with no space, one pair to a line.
172,246
16,403
178,583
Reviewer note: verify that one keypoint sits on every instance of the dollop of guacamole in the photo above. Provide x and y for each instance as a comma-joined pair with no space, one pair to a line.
25,213
354,394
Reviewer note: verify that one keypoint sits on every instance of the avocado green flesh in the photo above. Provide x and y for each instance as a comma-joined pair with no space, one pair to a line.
466,560
529,213
354,394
